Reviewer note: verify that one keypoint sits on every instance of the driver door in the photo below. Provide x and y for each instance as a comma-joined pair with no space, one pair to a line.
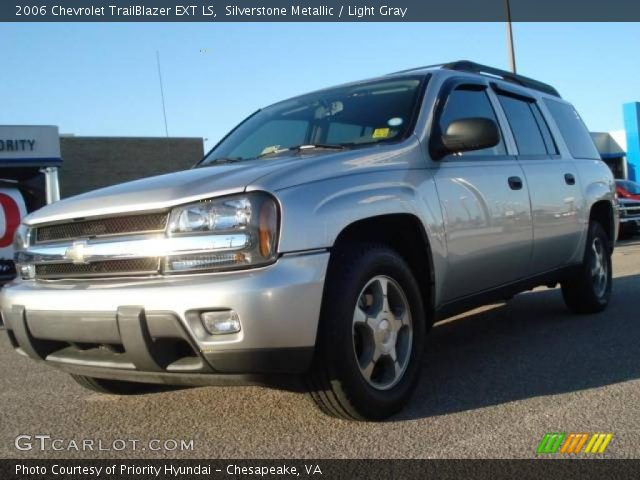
484,200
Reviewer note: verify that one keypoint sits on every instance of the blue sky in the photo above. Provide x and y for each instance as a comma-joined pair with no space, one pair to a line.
101,79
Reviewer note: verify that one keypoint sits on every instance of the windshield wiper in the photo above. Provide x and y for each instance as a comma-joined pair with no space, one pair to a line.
219,161
303,147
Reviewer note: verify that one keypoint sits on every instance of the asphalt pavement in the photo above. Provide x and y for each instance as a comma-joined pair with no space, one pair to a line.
495,380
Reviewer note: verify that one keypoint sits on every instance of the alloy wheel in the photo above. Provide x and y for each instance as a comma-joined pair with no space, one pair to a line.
382,332
599,267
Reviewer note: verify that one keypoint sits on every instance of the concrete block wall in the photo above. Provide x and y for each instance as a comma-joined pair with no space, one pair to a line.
94,162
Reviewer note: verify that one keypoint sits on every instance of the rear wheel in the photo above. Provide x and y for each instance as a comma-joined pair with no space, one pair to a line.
371,335
589,290
116,387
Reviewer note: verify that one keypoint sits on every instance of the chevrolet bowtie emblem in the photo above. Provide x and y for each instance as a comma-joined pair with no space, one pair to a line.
76,252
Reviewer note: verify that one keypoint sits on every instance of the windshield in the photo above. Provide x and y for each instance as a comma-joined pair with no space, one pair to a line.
343,117
632,187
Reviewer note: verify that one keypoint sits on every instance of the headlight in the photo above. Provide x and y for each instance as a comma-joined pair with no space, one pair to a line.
21,241
21,237
210,216
253,216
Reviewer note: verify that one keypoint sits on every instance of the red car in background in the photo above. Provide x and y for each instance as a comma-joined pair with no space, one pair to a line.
628,189
628,207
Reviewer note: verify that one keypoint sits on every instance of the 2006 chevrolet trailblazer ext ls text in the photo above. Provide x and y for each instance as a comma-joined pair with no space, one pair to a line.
322,237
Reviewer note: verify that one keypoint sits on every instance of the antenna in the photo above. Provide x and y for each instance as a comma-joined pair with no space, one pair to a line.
164,110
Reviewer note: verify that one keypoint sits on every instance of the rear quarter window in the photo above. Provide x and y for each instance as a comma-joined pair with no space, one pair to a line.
573,130
524,125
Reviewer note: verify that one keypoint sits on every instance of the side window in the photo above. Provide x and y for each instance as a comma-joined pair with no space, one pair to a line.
468,103
573,130
527,130
544,129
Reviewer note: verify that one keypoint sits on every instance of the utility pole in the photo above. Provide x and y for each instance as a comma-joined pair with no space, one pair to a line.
510,49
164,110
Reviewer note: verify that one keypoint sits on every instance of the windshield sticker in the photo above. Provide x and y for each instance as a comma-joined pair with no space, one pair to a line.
380,133
395,122
270,149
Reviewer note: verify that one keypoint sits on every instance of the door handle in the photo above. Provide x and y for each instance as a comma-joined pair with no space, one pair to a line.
515,183
569,179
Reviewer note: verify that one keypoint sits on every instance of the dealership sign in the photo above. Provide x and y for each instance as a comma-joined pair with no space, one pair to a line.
38,149
29,145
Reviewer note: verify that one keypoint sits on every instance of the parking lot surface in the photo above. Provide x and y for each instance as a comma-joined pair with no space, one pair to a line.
495,380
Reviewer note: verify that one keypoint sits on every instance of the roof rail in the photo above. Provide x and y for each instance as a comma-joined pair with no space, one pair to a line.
436,65
472,67
468,66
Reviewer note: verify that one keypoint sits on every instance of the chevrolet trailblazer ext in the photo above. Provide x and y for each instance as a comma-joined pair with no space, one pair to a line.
322,236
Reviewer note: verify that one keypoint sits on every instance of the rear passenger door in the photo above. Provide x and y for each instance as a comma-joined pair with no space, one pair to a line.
552,179
484,201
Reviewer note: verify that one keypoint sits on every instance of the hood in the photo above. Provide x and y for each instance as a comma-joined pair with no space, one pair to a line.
155,193
629,196
165,191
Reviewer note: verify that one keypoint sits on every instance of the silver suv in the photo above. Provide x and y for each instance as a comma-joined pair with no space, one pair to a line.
322,237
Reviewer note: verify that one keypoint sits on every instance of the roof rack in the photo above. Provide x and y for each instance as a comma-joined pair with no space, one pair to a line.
472,67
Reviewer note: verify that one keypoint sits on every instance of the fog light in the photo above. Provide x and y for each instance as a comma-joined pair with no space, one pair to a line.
220,322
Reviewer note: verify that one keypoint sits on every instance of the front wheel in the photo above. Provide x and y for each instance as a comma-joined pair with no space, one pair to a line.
371,335
589,290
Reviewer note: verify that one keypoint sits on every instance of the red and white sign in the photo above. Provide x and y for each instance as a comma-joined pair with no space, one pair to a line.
12,209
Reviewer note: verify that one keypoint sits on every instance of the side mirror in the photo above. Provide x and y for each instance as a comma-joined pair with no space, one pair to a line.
469,134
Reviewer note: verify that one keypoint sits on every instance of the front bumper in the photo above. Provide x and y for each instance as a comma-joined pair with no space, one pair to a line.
629,213
148,329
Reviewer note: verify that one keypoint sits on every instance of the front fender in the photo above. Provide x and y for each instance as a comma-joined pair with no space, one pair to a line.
313,215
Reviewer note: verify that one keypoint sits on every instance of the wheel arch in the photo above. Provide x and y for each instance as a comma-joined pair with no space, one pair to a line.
405,234
602,212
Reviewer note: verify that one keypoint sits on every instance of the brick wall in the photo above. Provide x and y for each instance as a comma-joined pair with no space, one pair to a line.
94,162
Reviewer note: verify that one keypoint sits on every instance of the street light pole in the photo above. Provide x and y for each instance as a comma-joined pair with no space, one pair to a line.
510,49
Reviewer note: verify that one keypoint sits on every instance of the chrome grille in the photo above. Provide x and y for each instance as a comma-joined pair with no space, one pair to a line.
106,268
130,224
627,210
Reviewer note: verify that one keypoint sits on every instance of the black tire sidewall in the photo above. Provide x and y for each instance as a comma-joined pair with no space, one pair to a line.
596,231
346,282
578,291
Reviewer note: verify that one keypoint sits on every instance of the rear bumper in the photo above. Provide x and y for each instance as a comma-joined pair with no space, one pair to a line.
150,330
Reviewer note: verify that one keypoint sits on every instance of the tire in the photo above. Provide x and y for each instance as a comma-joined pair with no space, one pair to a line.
589,290
116,387
344,380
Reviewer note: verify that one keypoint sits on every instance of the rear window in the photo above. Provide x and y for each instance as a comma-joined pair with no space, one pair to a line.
573,130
